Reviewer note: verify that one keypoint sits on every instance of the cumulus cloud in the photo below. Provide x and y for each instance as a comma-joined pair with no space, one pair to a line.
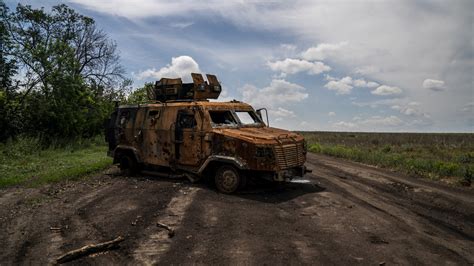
278,92
433,84
366,84
385,90
282,112
367,70
344,125
180,67
342,86
292,66
374,123
385,56
331,114
323,50
345,85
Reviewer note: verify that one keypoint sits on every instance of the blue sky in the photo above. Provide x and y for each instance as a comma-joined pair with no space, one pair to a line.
316,65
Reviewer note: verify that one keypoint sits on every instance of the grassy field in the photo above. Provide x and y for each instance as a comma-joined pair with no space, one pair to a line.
26,162
446,157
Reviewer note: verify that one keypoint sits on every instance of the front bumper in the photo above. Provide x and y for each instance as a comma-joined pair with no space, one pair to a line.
289,174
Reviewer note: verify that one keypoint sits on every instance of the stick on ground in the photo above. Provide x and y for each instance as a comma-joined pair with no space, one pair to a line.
89,249
170,230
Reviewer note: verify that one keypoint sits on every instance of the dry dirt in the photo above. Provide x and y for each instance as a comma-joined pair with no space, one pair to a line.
345,213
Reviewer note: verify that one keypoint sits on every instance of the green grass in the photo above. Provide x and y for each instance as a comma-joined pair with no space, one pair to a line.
449,157
27,162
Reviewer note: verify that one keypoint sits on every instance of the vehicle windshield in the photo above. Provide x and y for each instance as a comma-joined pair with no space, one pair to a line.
247,118
231,118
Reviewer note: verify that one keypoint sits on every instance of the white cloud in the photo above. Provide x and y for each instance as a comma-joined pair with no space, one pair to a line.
344,125
282,112
180,67
372,123
292,66
363,83
331,114
345,85
413,109
278,92
379,45
367,70
342,86
323,50
288,47
386,90
389,121
329,77
433,84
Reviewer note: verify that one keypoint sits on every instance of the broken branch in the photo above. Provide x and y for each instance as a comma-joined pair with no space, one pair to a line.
89,249
170,230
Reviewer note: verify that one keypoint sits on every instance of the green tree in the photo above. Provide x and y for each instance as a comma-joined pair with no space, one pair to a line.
8,68
70,71
140,95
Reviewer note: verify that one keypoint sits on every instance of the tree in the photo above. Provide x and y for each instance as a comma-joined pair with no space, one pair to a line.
140,95
8,68
70,71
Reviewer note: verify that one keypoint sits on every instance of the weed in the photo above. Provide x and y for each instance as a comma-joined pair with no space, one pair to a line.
435,156
25,161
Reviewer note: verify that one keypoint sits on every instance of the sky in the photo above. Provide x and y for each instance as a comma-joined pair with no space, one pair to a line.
373,66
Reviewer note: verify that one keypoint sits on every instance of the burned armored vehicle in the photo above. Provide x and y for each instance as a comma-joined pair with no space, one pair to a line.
181,132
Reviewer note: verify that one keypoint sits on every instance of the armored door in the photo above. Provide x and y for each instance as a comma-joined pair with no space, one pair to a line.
187,138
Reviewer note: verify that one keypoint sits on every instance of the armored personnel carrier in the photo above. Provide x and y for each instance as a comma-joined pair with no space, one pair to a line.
181,132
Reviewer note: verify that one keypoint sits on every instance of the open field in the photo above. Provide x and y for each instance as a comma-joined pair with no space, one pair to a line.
446,157
344,213
26,162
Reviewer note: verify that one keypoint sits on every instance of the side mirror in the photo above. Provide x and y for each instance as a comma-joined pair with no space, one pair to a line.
259,113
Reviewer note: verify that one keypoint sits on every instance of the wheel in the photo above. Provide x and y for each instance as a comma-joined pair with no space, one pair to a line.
227,179
128,165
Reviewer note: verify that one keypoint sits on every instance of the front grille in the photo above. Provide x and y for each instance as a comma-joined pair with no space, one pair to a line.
289,155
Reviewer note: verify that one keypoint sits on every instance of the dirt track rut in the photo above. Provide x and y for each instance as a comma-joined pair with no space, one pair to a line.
344,213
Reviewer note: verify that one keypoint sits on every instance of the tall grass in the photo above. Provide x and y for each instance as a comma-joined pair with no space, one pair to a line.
437,156
27,161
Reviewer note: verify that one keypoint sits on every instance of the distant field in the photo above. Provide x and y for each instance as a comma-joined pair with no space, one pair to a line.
446,157
25,162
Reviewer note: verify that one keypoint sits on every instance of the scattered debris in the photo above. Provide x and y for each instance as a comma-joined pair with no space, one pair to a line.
136,220
55,228
300,181
377,240
170,230
89,249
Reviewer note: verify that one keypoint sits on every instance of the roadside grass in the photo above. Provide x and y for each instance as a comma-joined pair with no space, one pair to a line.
27,162
446,157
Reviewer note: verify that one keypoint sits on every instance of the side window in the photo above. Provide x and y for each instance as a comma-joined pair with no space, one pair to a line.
123,118
186,120
152,117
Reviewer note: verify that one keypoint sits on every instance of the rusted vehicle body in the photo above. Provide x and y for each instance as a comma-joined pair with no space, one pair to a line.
195,137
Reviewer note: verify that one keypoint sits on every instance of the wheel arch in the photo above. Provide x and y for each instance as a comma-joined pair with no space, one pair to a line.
126,150
214,161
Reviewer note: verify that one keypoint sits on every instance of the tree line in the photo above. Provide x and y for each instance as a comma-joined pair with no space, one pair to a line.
59,74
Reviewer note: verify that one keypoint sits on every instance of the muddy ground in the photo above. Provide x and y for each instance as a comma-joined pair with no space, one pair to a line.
346,214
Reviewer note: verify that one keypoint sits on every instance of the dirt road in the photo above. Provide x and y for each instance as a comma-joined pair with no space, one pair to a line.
344,213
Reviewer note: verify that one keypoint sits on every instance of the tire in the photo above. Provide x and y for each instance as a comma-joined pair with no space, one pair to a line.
128,165
227,179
